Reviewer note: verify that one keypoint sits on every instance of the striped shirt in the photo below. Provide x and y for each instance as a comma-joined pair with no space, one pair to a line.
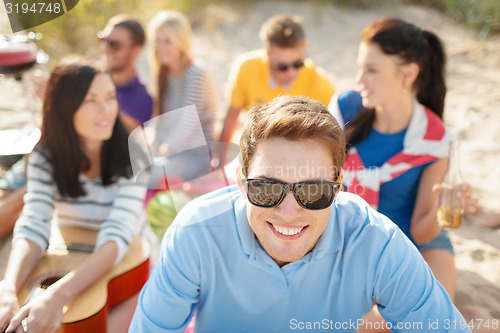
113,210
14,177
194,87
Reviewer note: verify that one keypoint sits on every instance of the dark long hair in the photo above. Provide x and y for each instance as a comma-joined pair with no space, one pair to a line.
66,89
411,45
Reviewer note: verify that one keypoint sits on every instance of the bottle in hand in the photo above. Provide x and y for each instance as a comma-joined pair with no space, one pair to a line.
450,212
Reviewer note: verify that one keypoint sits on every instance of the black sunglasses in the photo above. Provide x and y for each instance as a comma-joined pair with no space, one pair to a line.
284,67
313,195
113,44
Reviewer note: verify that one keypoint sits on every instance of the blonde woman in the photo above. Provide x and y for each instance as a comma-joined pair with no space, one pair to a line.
179,81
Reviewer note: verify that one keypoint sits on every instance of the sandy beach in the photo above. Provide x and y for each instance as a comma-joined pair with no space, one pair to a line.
222,32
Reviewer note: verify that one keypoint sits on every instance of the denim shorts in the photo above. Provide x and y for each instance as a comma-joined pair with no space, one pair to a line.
441,241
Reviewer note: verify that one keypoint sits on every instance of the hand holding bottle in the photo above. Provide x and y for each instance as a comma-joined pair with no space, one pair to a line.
454,201
455,196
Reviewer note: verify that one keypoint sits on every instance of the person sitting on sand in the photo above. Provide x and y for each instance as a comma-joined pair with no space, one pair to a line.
273,255
121,40
281,69
13,188
80,174
397,142
180,81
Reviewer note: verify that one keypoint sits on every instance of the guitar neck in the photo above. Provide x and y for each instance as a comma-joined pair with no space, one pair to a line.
75,247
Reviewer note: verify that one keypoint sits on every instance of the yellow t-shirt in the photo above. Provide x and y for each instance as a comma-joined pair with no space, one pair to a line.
250,78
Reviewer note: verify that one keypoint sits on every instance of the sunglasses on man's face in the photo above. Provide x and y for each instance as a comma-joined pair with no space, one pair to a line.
113,44
284,67
312,195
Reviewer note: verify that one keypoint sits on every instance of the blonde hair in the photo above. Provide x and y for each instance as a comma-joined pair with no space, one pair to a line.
178,29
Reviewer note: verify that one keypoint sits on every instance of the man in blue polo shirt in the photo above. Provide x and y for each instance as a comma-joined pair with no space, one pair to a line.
285,250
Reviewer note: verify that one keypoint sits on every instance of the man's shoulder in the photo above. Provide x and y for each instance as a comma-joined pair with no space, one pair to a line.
364,232
352,203
315,71
135,88
252,59
209,207
196,68
41,155
353,212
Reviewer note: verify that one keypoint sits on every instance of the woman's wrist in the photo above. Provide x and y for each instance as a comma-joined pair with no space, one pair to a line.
60,294
8,288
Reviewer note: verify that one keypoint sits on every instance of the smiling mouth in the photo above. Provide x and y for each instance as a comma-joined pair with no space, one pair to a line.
287,233
103,123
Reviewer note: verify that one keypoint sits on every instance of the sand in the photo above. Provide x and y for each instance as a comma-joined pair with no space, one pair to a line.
224,31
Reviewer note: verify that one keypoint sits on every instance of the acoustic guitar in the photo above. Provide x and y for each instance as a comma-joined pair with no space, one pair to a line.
87,311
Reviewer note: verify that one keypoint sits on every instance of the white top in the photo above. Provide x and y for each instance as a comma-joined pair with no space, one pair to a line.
114,210
196,87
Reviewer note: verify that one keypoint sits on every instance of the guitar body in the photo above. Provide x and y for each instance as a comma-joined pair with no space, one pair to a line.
87,311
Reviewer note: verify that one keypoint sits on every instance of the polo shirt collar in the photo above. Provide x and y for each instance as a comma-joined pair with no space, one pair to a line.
274,85
130,84
332,238
271,82
245,233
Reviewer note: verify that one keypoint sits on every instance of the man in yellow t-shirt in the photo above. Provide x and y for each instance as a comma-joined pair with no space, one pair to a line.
282,69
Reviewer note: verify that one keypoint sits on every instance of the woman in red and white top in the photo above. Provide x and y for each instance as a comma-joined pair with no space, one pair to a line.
397,142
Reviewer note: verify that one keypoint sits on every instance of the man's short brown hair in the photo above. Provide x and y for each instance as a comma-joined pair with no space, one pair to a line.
283,31
293,118
137,34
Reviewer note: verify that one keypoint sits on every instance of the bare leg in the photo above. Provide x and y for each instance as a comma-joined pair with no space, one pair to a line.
484,219
442,265
120,316
11,205
472,315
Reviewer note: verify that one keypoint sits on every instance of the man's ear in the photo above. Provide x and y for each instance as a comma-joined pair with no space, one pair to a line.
136,50
341,176
306,46
410,71
238,179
